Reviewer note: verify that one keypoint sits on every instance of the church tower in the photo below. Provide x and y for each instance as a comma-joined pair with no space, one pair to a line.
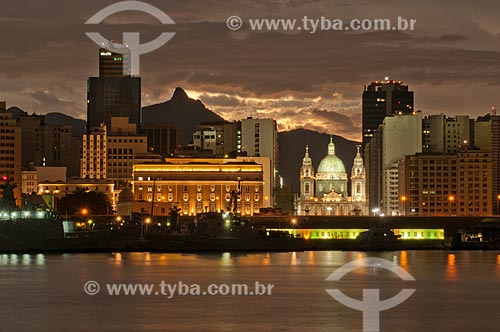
358,179
306,176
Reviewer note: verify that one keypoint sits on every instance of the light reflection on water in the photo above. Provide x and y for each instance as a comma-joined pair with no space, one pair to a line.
456,291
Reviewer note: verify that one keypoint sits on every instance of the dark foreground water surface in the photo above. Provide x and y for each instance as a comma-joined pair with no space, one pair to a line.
454,292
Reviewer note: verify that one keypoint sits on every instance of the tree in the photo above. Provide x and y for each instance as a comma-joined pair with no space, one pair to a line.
284,199
174,215
8,201
94,202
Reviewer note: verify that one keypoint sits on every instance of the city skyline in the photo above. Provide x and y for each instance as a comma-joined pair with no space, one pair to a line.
450,62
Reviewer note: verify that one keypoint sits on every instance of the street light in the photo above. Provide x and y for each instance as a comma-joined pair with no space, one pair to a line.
146,221
84,212
451,199
403,199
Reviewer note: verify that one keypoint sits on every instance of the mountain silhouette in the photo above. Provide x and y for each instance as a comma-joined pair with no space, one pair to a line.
56,119
188,113
292,149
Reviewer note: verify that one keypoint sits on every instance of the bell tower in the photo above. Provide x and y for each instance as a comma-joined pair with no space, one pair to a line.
358,178
306,176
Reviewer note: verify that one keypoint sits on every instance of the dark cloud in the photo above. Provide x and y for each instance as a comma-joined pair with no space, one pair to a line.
338,122
451,60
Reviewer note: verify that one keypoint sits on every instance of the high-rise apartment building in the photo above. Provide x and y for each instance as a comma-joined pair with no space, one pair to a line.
94,154
443,134
259,138
495,154
110,152
48,145
123,144
446,184
398,136
10,151
381,99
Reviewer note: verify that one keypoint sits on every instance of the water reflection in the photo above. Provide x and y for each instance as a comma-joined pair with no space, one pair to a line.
267,260
24,260
118,259
451,268
403,259
226,259
40,259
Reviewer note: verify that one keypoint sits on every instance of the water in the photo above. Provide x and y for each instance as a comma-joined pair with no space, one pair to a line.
454,292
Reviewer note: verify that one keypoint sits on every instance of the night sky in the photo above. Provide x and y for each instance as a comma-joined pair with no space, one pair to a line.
451,60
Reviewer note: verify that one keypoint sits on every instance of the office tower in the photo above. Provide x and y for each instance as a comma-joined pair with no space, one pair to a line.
162,137
110,94
10,151
259,138
446,184
380,99
112,63
48,145
495,153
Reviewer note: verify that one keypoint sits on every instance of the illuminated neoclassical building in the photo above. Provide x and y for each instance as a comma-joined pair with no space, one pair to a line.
198,185
325,192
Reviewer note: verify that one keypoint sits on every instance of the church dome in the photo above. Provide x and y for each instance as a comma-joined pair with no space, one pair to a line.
331,164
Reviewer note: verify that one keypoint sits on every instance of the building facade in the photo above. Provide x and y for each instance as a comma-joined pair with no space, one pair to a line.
110,152
446,185
10,151
259,138
59,189
162,138
94,159
398,136
35,174
381,99
48,145
113,94
197,186
325,192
